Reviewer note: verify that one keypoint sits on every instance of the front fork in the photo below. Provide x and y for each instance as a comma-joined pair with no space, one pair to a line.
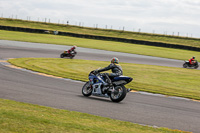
91,83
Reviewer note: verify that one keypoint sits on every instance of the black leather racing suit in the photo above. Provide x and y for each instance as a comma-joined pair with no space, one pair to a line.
116,71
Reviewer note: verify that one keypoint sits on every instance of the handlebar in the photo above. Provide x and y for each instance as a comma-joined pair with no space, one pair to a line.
94,72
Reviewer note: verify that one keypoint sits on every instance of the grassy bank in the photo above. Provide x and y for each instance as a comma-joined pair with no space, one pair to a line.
99,44
156,79
16,117
103,32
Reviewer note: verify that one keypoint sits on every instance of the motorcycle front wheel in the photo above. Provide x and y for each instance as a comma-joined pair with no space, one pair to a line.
62,55
118,94
184,65
87,90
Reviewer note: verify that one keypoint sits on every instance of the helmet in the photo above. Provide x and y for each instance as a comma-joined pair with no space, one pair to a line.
115,60
74,47
193,57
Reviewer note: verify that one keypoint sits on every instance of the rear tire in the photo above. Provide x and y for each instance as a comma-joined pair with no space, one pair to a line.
119,94
87,90
196,66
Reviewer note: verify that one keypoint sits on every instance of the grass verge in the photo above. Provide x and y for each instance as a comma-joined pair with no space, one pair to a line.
17,117
99,44
156,79
195,42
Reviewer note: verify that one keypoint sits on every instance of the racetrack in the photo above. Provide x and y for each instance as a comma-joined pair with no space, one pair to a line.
147,109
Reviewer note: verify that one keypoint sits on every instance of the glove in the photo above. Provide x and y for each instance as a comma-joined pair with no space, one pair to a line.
96,71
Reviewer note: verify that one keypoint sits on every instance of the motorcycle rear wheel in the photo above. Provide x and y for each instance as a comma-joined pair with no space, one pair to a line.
196,66
119,94
71,57
87,90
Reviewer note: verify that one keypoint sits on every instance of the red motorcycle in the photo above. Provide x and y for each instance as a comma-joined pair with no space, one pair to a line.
187,64
71,55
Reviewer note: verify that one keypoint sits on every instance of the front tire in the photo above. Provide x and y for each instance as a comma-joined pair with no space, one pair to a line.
87,90
62,55
184,65
119,94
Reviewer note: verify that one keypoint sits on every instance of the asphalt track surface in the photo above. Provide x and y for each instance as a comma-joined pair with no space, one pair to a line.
143,108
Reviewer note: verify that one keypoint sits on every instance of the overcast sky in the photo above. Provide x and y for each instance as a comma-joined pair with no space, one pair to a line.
153,16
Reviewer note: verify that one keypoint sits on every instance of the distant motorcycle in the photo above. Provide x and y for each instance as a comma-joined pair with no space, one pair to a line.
66,54
96,86
187,64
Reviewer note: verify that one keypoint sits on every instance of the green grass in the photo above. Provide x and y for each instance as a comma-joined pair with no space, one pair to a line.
17,117
171,81
21,117
99,44
102,32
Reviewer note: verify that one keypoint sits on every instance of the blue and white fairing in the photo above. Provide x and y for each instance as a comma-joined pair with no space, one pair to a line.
96,78
116,80
126,78
121,80
98,87
97,82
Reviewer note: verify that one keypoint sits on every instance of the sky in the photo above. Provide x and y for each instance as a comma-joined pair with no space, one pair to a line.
171,17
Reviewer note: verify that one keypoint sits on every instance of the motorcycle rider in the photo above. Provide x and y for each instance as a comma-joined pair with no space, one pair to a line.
191,60
71,50
116,71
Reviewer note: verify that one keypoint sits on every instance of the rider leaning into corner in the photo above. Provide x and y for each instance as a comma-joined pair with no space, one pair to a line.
72,49
191,60
116,70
